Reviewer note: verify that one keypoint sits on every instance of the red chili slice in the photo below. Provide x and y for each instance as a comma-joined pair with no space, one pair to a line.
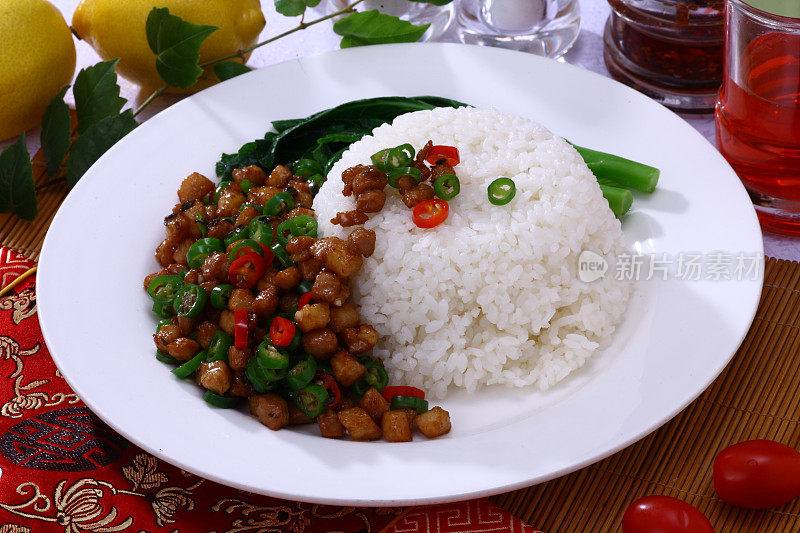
246,271
240,328
430,213
330,384
448,154
400,390
305,299
281,331
268,254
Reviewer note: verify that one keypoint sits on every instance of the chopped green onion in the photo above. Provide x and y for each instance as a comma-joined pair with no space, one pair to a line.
447,186
501,191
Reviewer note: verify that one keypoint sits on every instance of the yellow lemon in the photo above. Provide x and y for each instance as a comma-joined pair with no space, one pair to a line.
37,58
117,29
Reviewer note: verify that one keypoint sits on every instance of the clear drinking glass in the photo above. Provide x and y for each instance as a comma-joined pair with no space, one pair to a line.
419,13
543,27
671,50
758,112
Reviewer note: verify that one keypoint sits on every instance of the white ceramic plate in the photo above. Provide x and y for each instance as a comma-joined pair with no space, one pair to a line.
677,337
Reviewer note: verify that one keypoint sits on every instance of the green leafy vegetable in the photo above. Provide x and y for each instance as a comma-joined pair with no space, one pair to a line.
95,142
230,69
55,131
96,94
17,190
177,45
294,8
373,27
323,136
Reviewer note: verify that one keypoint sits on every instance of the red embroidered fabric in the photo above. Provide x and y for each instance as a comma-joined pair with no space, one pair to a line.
63,469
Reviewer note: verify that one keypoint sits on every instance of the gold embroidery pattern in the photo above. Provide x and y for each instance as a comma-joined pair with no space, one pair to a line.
23,304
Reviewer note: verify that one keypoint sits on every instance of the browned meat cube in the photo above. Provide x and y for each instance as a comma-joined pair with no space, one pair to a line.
205,332
344,403
194,187
343,317
346,368
329,425
279,177
240,386
253,173
270,409
297,417
288,279
433,423
215,376
359,424
313,316
166,336
183,348
360,339
374,404
396,426
321,343
238,357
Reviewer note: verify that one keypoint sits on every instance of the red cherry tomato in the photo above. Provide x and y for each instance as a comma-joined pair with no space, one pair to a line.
663,514
430,213
281,331
757,474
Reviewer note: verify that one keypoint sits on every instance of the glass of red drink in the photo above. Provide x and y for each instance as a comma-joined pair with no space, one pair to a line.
758,109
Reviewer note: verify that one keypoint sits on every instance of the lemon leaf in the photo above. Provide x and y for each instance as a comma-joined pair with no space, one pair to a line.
176,44
372,27
97,94
294,8
17,190
96,141
55,131
230,69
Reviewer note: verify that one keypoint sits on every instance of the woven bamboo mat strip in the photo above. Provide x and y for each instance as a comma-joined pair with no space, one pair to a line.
757,396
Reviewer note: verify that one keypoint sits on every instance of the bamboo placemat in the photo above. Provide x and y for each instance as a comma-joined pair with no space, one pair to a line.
756,397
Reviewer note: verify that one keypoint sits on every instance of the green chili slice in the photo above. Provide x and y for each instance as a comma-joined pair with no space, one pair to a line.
306,168
246,185
447,186
190,367
260,230
253,374
201,249
236,236
163,310
282,256
284,232
219,346
379,158
501,191
220,296
225,402
279,202
394,175
418,404
303,226
190,301
270,358
400,156
222,185
245,246
312,400
164,288
316,179
301,374
166,358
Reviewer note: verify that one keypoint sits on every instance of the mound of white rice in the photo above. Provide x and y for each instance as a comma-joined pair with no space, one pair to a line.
491,295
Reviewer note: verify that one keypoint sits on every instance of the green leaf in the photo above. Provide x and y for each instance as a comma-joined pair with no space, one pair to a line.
433,2
55,131
372,27
95,142
230,69
97,94
177,45
294,8
17,190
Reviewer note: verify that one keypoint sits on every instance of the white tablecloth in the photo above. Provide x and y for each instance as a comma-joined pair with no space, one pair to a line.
587,53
